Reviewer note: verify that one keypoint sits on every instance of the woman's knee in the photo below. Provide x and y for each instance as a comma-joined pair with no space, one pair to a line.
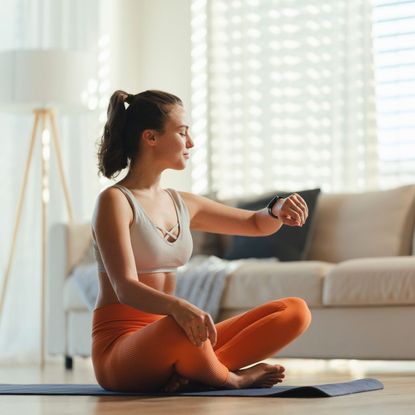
299,312
178,337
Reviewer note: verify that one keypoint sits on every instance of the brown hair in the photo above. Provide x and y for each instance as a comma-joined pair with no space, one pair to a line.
119,144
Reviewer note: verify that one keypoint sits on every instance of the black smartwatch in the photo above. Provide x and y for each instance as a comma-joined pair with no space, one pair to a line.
271,204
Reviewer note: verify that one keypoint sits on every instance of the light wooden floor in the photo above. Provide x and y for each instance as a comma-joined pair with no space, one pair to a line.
397,398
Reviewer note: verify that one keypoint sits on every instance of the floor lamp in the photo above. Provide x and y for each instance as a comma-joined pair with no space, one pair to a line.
42,80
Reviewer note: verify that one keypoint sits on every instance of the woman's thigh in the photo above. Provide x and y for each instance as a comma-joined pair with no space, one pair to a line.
142,359
145,359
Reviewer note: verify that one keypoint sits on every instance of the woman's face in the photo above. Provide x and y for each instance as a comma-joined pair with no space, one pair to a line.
175,141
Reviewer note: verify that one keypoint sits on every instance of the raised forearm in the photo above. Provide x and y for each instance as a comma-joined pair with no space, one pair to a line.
266,224
147,299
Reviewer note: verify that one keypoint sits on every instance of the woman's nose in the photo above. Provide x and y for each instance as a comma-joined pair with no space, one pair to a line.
189,142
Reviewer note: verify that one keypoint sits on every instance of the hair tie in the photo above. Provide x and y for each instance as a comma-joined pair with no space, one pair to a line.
129,98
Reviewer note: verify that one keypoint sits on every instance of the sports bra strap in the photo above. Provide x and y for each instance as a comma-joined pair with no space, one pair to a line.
130,198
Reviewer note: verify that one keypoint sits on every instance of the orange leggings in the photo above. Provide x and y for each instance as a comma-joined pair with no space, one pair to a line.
133,351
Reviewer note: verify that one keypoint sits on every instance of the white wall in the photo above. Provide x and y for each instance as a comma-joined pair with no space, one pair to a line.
150,48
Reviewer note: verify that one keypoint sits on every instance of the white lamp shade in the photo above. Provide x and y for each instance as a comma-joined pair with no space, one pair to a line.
44,78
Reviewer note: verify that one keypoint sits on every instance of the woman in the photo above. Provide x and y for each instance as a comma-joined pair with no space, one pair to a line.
144,338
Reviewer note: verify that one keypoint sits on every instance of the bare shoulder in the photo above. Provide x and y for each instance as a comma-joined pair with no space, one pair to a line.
110,195
111,203
192,201
110,198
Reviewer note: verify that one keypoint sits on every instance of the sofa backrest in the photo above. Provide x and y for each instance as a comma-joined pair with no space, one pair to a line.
357,225
345,226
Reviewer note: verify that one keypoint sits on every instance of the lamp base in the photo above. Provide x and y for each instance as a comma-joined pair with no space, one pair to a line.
42,115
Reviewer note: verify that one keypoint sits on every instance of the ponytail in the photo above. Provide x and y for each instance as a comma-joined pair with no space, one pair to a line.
112,156
120,140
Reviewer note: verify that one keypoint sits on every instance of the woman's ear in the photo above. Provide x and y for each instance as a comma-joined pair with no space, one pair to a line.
149,136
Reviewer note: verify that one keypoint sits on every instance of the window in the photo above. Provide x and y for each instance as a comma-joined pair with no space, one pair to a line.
284,97
394,49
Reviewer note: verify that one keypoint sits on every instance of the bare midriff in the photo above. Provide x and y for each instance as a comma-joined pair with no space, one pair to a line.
162,281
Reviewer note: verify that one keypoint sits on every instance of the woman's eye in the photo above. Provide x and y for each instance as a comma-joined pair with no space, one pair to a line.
183,134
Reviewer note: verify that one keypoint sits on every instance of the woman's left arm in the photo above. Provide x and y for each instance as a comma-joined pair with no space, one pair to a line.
210,216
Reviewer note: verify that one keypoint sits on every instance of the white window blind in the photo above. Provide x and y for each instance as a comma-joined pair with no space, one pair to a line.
283,96
394,45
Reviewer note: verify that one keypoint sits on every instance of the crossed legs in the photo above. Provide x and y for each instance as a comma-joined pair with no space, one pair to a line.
145,359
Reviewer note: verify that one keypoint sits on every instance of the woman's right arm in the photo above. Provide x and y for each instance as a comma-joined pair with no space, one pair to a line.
111,226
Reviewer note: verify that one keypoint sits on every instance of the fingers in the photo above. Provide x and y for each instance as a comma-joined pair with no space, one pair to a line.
202,329
211,329
197,324
297,209
294,211
302,203
297,215
196,337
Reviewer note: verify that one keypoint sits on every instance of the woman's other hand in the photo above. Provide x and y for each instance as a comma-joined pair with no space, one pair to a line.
292,210
196,323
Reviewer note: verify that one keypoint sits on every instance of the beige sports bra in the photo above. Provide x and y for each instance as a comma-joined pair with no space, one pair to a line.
152,251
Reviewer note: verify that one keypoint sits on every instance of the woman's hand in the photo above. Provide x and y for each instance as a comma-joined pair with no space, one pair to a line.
196,323
292,210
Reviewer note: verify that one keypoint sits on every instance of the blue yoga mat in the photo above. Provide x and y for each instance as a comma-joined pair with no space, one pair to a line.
314,391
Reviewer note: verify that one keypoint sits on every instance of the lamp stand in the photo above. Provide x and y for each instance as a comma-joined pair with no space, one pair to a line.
42,115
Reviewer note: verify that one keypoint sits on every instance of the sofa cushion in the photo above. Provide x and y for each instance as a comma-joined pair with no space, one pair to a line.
287,244
79,241
371,281
254,283
361,225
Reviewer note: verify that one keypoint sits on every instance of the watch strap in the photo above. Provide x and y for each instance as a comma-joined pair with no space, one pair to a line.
270,205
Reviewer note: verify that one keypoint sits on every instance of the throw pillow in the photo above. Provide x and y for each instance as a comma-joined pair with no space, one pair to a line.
287,244
207,243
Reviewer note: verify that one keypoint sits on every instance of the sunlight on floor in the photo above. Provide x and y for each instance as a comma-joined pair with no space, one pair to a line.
299,371
353,367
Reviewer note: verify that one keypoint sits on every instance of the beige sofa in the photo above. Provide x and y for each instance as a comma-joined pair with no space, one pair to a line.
358,279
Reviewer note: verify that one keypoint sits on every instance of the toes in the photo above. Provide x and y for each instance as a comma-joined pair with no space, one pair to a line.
271,384
275,375
275,368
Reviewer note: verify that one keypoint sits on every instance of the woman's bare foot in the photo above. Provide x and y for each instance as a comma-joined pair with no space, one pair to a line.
175,383
261,375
